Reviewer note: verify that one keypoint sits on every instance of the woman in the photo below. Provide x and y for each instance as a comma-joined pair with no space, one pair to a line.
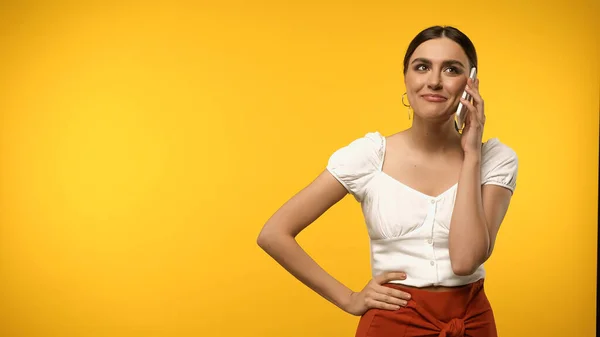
433,200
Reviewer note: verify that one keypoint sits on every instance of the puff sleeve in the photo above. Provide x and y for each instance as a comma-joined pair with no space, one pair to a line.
500,166
355,164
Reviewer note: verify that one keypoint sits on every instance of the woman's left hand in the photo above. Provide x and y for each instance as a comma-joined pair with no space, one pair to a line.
473,131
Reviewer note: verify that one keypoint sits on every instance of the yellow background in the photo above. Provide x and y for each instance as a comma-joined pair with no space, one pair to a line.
143,146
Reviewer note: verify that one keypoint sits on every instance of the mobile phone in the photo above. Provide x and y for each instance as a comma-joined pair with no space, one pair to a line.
461,111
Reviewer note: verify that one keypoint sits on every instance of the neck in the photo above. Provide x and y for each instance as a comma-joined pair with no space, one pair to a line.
434,137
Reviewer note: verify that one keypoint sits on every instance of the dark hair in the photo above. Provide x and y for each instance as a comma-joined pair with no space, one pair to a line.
436,32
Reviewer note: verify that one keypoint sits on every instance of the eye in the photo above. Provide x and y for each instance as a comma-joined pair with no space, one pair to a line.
421,67
453,70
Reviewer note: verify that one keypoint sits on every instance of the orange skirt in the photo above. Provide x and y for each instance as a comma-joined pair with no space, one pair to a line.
460,312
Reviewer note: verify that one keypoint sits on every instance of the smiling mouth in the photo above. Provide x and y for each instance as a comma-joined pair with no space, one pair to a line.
434,98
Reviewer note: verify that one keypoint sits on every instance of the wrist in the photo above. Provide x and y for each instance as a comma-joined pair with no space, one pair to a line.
346,300
472,157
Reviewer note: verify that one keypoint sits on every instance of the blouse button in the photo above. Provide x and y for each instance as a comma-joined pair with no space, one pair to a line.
432,201
431,263
429,241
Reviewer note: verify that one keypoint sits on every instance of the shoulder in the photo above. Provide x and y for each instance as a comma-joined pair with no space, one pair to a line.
354,163
371,141
495,152
500,164
366,150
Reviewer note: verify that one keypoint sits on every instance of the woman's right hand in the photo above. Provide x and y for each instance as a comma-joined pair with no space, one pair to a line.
375,295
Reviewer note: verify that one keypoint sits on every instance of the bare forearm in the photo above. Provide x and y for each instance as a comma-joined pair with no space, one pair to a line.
469,238
287,252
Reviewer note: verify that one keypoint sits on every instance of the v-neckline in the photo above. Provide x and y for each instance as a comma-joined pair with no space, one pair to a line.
398,182
425,195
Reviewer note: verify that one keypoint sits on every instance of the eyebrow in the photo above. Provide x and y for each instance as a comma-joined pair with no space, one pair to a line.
445,63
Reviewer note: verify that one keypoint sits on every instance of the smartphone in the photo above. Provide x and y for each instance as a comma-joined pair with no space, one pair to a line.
461,112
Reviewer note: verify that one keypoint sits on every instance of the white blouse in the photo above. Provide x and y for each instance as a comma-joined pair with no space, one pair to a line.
409,230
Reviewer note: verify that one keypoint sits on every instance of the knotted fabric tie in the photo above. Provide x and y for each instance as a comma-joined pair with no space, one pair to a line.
454,328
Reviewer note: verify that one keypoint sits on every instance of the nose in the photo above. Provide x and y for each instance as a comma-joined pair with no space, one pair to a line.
434,81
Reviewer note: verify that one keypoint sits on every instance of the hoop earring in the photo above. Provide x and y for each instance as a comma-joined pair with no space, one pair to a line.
406,105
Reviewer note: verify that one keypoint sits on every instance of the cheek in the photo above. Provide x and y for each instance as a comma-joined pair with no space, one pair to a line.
413,84
456,88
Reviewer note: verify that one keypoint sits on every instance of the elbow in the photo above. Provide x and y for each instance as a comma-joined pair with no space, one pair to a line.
266,238
263,239
464,268
466,262
463,271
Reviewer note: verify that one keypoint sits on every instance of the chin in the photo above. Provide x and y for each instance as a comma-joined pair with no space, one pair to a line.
434,113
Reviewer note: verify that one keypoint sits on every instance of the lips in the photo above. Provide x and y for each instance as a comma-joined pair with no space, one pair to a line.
434,98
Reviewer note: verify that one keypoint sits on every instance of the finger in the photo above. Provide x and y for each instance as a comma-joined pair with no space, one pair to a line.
474,92
381,297
473,83
382,305
473,113
391,276
393,292
476,109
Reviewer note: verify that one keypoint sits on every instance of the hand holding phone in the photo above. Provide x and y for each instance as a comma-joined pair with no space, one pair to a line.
461,112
